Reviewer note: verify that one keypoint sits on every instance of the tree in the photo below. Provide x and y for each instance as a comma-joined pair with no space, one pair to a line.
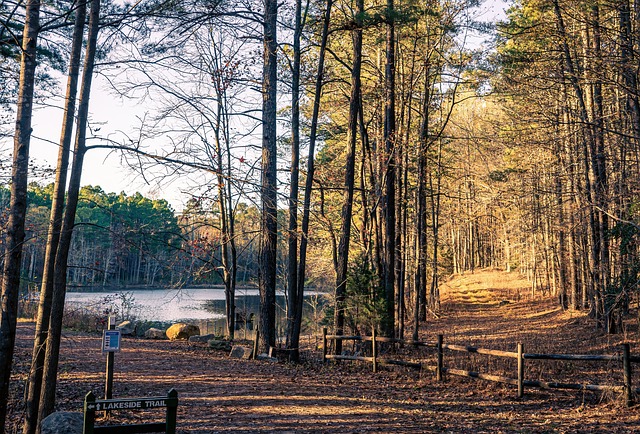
268,190
390,161
349,174
46,292
294,334
18,206
294,313
47,398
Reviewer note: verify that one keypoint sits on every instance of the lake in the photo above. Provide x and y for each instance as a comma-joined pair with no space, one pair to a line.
171,304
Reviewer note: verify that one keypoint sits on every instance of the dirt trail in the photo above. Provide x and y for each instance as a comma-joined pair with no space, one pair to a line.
218,394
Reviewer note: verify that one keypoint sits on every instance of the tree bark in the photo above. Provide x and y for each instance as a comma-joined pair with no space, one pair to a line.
308,189
389,198
293,315
268,193
347,207
47,398
55,223
18,205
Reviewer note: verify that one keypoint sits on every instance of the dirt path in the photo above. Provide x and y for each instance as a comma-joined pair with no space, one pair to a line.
220,394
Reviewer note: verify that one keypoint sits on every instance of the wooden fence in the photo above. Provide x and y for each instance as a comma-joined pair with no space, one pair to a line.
625,360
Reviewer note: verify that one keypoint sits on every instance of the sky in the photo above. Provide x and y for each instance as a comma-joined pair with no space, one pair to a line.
110,115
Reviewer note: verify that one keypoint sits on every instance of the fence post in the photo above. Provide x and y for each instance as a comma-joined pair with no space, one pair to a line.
520,371
374,350
89,413
172,412
256,344
626,366
440,357
324,345
108,384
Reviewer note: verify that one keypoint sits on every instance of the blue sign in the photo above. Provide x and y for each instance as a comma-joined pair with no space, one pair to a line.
110,341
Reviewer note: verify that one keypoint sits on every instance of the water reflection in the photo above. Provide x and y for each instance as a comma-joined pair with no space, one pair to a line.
172,305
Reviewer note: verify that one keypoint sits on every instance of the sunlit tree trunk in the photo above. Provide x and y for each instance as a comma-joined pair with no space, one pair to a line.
306,208
389,197
347,207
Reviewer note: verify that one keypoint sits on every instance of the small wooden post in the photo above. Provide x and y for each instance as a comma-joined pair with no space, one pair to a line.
520,371
172,411
440,353
89,412
256,344
108,386
324,345
374,350
626,366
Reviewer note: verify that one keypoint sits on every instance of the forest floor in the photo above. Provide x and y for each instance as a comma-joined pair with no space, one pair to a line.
486,309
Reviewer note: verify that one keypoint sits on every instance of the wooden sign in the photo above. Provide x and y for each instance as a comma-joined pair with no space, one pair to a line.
92,405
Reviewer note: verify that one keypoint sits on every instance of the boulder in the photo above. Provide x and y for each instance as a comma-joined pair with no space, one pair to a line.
216,344
201,339
62,422
182,331
266,358
154,333
127,328
241,352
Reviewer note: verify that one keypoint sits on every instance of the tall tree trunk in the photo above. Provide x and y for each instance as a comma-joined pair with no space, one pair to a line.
18,205
55,223
588,148
599,165
268,193
50,374
434,293
292,233
306,208
389,198
224,202
420,313
347,207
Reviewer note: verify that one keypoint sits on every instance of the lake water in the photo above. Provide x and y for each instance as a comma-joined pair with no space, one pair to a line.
173,304
161,304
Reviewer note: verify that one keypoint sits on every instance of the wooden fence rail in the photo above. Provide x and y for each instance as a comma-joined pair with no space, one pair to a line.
626,359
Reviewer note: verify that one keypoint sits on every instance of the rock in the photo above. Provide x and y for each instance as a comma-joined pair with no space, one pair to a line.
266,358
62,422
127,328
201,339
182,331
154,333
216,344
241,352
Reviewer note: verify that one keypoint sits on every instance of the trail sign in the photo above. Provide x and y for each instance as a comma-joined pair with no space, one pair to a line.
92,405
110,341
128,404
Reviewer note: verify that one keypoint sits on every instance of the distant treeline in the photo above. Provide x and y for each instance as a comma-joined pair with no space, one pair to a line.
130,240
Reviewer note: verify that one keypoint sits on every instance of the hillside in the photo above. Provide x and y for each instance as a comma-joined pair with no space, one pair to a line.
499,309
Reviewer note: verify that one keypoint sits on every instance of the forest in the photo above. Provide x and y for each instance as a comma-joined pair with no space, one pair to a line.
368,149
125,241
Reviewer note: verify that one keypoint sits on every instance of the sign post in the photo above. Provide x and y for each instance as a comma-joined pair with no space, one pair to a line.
110,344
